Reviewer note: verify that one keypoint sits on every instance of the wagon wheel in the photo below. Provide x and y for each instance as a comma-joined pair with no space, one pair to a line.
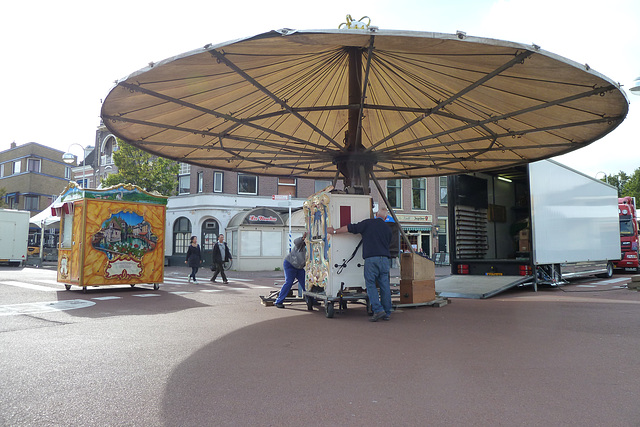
343,304
132,284
84,289
156,286
309,302
329,310
67,287
369,308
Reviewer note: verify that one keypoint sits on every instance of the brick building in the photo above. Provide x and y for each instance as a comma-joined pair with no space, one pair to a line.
209,199
32,175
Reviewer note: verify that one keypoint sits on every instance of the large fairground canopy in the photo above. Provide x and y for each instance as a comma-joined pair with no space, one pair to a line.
363,103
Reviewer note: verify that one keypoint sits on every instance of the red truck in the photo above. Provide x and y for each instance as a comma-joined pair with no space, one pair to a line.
628,234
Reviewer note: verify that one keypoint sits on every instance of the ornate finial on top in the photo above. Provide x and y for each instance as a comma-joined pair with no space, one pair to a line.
352,24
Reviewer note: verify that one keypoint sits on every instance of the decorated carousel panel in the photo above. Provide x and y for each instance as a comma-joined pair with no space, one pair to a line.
111,237
336,262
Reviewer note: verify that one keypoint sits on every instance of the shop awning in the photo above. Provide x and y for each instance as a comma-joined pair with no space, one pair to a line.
416,228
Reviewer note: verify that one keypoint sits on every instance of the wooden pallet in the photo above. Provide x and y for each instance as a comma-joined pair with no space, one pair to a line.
438,302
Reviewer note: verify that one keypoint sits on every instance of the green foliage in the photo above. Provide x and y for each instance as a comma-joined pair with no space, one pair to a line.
632,186
627,185
144,170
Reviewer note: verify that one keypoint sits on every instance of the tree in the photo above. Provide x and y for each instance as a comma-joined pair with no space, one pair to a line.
618,180
144,170
632,186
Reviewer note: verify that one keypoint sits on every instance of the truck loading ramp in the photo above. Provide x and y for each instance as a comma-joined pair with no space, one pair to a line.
457,286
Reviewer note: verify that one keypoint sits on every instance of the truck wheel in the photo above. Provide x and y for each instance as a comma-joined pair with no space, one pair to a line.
609,272
67,287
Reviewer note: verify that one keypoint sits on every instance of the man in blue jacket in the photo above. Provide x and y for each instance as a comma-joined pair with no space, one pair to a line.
376,239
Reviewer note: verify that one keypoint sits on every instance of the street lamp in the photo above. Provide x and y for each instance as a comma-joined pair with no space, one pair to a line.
69,158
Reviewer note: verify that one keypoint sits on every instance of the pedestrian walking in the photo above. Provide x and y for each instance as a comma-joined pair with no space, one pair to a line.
194,259
221,255
376,239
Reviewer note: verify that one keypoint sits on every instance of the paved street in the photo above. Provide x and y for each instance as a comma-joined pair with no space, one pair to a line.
194,355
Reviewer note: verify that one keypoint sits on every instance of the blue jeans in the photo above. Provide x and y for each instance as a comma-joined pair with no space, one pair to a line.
376,269
194,271
290,274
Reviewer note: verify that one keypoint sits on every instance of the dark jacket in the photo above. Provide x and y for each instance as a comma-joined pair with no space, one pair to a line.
217,256
193,256
376,237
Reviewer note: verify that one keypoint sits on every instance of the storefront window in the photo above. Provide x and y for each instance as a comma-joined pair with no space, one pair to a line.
271,243
250,243
67,229
181,235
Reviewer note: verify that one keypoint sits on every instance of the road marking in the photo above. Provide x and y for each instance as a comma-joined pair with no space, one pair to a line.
50,282
146,295
586,286
210,290
613,281
180,292
106,298
29,286
44,307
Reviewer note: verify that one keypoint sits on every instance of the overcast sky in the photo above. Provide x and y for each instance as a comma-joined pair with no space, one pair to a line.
60,59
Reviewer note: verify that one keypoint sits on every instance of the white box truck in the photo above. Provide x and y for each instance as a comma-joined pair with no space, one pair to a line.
14,235
540,223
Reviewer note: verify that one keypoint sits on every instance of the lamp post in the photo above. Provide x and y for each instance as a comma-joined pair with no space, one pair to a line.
69,158
603,173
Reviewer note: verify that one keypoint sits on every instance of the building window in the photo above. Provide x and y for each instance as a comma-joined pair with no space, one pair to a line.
287,186
217,182
110,146
200,182
12,200
67,172
443,190
394,193
16,167
419,194
184,180
31,203
181,235
33,165
320,185
183,184
247,184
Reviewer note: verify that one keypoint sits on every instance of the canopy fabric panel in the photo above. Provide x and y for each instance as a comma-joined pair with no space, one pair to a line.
429,104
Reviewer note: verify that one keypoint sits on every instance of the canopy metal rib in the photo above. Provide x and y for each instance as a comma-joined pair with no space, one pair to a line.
595,91
221,57
517,59
197,108
205,133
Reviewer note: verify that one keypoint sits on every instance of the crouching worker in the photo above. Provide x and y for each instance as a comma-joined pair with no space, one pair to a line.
293,266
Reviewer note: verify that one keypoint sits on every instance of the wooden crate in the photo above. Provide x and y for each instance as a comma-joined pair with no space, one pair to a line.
416,267
417,291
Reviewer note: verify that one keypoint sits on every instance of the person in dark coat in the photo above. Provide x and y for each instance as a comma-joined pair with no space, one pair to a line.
194,259
221,255
376,239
